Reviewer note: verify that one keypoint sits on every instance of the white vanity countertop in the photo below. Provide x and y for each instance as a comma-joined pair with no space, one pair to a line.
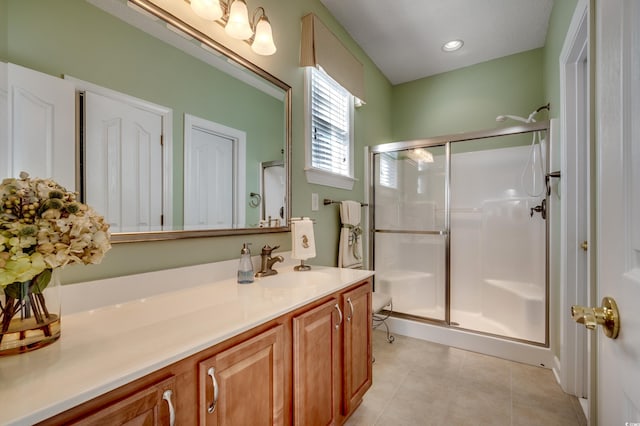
189,309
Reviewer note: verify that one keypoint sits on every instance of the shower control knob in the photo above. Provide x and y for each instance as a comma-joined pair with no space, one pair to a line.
607,316
541,208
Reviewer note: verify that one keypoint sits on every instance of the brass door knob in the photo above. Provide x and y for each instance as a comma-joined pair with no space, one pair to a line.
584,246
607,316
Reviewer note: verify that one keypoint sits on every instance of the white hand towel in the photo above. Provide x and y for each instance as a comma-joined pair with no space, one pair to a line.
303,242
350,248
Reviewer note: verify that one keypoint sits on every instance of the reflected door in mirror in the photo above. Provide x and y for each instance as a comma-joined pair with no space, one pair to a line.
123,153
214,175
39,137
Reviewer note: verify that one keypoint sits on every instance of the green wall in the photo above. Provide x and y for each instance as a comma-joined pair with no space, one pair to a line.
4,20
470,98
372,127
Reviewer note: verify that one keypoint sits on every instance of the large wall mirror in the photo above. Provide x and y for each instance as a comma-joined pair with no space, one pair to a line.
168,132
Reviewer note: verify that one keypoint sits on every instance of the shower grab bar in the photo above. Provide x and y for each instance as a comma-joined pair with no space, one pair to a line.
403,231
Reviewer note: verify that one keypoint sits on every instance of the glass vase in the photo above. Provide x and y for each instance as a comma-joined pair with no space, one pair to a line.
30,313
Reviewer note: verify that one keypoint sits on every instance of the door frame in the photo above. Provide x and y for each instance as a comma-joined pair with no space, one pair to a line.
574,362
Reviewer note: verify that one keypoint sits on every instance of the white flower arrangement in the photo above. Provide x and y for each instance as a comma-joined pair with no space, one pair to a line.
43,227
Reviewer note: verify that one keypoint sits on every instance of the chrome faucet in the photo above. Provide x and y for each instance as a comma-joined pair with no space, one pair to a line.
267,262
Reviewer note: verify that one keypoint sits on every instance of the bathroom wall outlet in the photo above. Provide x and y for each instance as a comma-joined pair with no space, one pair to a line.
314,202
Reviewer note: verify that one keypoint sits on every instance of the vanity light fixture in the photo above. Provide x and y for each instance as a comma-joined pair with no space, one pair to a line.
234,16
238,22
263,38
207,9
452,46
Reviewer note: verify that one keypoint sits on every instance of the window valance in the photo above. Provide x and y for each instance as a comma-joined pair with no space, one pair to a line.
321,47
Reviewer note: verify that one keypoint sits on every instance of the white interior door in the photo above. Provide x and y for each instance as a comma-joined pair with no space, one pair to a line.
214,179
123,157
618,206
41,118
211,174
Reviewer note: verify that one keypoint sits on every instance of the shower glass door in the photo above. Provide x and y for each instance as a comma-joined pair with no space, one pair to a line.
410,229
498,245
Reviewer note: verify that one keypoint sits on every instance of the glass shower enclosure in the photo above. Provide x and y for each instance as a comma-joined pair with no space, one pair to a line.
458,235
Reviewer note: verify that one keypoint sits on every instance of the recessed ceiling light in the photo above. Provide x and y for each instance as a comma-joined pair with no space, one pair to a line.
452,46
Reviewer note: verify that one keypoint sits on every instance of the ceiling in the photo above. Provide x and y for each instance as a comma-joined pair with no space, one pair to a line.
404,37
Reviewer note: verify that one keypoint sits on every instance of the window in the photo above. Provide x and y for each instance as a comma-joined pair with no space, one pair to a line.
329,131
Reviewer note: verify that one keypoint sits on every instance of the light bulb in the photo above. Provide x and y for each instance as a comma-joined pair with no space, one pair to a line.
263,40
238,23
207,9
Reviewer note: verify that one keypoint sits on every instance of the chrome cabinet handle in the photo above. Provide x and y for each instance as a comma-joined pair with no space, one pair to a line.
340,314
351,308
166,395
212,407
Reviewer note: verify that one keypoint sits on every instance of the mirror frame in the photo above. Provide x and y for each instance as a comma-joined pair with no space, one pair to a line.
125,237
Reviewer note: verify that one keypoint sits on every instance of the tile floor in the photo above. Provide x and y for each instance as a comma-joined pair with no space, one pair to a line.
421,383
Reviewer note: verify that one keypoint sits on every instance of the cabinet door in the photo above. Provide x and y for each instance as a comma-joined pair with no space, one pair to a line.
316,336
244,385
153,405
357,374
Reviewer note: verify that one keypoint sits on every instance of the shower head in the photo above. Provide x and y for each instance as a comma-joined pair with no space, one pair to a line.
547,107
529,119
512,117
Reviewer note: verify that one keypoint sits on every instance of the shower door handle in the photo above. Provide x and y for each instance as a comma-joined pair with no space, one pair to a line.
607,316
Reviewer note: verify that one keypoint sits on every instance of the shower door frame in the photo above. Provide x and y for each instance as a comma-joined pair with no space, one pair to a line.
446,141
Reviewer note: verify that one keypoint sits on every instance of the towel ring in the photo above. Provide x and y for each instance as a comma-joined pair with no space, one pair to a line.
255,200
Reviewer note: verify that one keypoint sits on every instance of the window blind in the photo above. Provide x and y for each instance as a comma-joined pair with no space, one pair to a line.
330,138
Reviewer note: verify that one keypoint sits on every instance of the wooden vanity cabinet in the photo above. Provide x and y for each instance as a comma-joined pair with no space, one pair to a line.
332,357
245,384
308,367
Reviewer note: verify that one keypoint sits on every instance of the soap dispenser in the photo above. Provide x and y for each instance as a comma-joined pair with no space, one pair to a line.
245,268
